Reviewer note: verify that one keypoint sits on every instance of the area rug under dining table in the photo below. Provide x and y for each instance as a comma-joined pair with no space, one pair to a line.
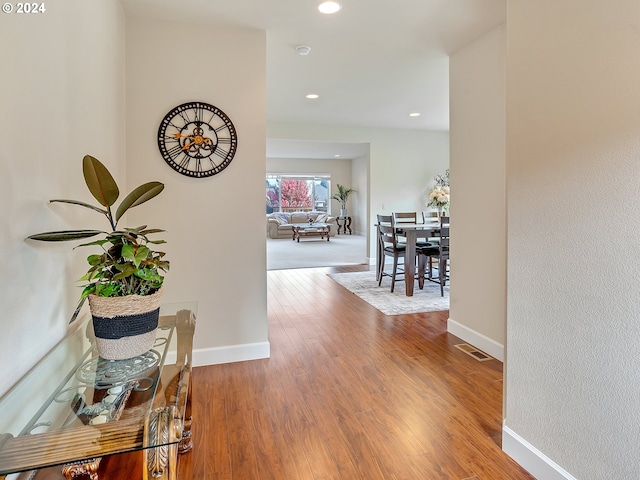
365,286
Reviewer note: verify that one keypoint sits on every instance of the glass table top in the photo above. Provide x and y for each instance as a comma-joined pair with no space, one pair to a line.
310,225
74,405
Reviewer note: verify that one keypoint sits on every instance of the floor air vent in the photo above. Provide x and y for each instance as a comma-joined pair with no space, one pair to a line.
473,351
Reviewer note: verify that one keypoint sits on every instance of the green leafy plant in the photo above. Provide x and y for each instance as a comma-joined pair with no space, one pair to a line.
343,195
126,264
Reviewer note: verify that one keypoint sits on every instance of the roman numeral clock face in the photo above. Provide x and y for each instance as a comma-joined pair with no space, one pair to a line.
197,139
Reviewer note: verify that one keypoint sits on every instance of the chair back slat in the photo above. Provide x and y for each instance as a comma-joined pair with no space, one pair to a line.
388,236
383,220
444,237
444,243
428,217
404,217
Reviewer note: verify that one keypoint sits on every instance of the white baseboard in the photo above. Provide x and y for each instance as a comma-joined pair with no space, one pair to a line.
530,458
231,353
478,340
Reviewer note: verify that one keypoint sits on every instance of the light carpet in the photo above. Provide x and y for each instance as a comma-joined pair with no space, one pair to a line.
365,286
283,253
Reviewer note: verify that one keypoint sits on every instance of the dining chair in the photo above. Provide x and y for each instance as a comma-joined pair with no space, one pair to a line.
430,216
398,218
405,217
389,247
382,220
441,255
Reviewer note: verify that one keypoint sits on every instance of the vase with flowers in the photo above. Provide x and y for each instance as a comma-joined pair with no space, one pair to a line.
439,196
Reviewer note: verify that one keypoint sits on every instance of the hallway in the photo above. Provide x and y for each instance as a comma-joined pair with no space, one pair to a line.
348,393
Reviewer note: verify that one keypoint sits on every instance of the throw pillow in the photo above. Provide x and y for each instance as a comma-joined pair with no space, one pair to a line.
282,216
321,218
299,217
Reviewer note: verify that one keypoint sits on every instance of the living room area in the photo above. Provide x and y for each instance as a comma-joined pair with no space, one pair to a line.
314,252
300,183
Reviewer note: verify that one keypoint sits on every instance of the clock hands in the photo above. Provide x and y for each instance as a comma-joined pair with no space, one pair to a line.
196,142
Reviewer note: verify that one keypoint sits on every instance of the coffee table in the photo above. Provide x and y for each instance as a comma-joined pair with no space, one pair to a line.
310,230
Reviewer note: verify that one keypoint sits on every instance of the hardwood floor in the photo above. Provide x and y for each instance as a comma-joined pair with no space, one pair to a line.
348,393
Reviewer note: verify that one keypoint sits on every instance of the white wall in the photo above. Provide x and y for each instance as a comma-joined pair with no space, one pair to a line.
215,226
478,201
361,211
62,97
402,164
573,149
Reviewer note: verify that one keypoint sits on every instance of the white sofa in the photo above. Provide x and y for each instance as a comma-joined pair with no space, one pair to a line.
279,223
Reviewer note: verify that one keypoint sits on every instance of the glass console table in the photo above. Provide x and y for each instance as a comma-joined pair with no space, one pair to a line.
75,408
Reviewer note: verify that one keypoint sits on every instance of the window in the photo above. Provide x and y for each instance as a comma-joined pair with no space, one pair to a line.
298,193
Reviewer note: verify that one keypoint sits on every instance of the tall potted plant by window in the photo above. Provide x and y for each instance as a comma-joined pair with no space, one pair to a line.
125,276
342,196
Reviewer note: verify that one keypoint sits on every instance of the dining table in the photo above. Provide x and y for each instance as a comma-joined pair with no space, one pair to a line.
412,232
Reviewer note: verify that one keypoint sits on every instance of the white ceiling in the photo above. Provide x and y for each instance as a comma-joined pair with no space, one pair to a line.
372,63
280,148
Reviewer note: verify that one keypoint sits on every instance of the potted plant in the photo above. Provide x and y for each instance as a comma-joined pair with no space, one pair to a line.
125,277
342,196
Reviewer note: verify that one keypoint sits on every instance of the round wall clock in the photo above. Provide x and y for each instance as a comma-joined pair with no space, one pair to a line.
197,139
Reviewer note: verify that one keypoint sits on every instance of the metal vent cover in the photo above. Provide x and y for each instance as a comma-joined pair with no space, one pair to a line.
474,352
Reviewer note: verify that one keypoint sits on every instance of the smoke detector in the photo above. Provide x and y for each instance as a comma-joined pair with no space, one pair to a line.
303,50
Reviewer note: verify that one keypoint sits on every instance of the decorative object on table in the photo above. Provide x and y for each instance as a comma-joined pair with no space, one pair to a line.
342,196
439,196
197,139
124,279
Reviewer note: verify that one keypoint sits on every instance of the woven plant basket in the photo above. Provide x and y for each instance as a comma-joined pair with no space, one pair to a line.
125,327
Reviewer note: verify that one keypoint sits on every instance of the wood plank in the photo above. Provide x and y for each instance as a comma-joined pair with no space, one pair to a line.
347,394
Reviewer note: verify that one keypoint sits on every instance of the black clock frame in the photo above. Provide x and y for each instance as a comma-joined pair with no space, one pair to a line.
203,133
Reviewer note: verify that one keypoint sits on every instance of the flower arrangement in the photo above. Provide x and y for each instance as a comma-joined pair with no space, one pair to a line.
439,196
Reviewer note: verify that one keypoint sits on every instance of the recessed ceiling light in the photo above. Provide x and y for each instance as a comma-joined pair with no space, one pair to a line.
312,95
414,114
329,7
337,156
